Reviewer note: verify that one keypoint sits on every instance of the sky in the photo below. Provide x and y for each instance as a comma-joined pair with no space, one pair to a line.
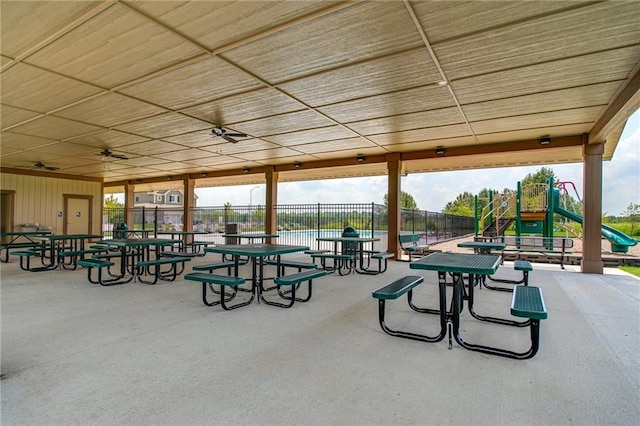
432,191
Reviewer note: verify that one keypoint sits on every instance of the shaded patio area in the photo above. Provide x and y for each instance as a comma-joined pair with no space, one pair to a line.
76,353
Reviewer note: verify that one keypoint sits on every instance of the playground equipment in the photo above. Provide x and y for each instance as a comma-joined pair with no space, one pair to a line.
532,209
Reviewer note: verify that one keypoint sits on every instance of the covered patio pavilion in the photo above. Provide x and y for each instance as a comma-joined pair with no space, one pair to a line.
130,96
76,353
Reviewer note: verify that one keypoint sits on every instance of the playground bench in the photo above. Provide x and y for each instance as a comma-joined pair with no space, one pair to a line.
409,244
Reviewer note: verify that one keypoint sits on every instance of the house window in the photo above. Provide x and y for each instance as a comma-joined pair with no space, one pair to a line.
137,199
159,198
174,198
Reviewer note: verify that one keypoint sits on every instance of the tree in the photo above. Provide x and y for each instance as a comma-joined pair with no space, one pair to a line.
632,213
112,202
463,205
406,201
113,209
541,176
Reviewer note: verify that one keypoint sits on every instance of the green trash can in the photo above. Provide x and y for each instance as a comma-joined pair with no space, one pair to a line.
120,231
347,246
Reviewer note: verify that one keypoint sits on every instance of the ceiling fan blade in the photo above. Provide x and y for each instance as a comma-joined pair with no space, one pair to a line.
228,138
51,168
236,135
119,156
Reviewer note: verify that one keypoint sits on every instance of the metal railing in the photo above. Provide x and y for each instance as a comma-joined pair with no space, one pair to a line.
296,223
435,227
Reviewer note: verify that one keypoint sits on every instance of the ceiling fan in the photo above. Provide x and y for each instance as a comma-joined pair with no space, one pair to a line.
228,136
106,153
41,165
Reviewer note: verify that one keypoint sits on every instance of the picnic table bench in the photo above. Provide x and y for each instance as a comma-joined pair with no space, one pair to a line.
293,280
208,279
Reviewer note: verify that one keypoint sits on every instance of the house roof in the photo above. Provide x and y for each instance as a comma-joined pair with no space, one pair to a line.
312,84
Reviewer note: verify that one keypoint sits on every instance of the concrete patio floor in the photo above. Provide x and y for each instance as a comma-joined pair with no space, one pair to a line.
77,353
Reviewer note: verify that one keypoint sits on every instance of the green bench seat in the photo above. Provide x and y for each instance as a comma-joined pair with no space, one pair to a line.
299,277
98,264
394,290
293,280
316,251
519,265
398,287
154,268
208,280
380,257
210,267
177,254
409,244
527,302
291,264
343,263
8,247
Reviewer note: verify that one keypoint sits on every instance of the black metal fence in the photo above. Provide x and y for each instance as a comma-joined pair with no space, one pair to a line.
296,223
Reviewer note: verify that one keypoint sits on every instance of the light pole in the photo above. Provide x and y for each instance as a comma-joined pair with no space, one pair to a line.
251,203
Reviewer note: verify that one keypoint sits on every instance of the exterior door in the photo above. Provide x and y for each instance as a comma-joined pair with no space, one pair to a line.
78,215
6,212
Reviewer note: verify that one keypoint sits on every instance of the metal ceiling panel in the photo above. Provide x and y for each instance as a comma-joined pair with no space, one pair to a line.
284,123
195,83
402,122
25,24
54,128
614,66
593,95
110,110
533,121
582,31
34,89
311,136
392,73
245,145
164,125
10,115
267,154
335,145
25,141
435,136
317,45
216,24
108,139
392,104
444,20
113,48
244,107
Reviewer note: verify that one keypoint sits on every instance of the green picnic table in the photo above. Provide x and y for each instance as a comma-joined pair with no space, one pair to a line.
475,266
256,253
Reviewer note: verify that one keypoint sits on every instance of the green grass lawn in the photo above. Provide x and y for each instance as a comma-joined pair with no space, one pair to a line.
635,270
